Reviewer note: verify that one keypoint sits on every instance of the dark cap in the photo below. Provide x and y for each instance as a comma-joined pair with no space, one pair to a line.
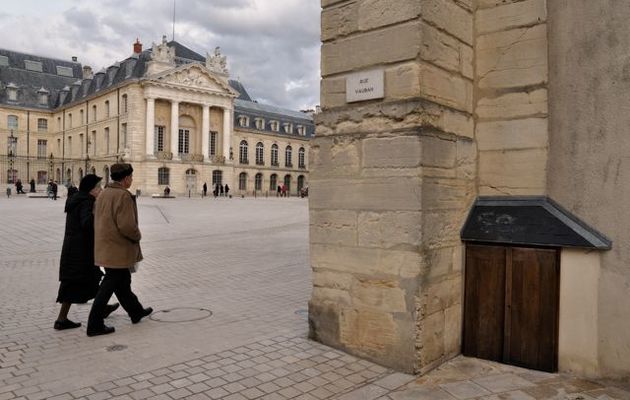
89,182
119,171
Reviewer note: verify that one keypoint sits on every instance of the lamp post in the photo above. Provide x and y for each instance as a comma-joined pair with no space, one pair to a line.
51,163
11,154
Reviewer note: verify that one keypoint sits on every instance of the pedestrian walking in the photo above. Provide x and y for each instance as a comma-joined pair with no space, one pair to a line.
205,189
215,192
54,189
78,276
221,190
227,190
117,249
19,187
279,191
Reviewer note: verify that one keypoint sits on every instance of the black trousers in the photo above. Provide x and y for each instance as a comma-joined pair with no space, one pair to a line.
118,281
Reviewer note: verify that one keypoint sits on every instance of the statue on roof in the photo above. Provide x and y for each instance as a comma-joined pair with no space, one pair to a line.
217,62
163,52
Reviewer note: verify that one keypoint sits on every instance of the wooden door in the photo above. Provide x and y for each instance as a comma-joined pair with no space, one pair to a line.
511,305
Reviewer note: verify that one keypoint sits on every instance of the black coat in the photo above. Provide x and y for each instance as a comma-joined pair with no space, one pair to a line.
77,253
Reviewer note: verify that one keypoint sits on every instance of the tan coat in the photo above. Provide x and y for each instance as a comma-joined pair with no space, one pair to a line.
116,232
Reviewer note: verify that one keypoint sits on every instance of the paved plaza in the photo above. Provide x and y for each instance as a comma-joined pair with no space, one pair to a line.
229,280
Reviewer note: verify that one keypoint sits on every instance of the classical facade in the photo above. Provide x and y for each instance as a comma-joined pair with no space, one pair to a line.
486,142
171,112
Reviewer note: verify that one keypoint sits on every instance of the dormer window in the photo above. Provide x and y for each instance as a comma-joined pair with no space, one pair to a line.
243,120
301,131
42,95
288,127
274,125
260,123
12,90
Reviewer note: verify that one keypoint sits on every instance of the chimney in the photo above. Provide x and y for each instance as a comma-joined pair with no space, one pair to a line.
87,72
137,47
74,58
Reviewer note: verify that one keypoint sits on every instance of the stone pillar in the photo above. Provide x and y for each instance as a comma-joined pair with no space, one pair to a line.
393,168
205,132
227,132
150,127
174,128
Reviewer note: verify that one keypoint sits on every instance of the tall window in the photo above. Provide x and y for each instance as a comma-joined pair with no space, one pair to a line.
123,104
258,182
287,183
273,182
301,153
94,113
42,177
41,148
213,143
42,125
274,155
81,144
123,135
163,176
242,181
106,140
260,151
92,143
69,146
260,123
69,121
183,146
107,109
58,123
217,177
12,122
300,185
81,118
159,138
287,157
243,153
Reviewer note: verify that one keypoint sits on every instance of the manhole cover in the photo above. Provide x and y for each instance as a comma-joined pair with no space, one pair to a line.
181,314
117,347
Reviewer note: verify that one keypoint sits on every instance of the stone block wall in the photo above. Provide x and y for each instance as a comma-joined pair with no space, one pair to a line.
511,107
392,180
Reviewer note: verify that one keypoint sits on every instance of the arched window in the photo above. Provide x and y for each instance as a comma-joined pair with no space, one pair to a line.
274,155
273,182
258,182
287,157
58,175
301,156
242,181
80,173
164,176
93,171
68,174
287,183
123,104
12,174
217,177
260,154
300,183
243,152
12,122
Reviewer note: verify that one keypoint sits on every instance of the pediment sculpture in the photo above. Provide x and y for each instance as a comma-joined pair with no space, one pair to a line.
193,77
216,62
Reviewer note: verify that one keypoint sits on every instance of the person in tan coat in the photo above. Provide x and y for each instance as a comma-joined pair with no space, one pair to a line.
117,249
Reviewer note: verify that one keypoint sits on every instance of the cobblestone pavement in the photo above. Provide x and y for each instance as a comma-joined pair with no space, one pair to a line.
229,280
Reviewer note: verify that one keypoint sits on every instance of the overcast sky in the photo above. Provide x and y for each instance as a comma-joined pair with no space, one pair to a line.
272,46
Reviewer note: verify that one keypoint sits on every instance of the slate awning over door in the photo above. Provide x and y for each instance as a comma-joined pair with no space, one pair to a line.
529,221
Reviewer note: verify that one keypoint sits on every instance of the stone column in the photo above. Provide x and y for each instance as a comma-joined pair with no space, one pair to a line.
174,128
227,132
150,127
205,132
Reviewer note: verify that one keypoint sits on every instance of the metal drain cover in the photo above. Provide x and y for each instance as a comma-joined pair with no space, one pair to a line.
116,347
181,314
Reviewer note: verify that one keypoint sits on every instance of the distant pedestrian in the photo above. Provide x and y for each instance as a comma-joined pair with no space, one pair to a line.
78,276
279,191
205,189
284,190
227,190
32,183
215,192
167,191
54,188
117,249
19,187
221,190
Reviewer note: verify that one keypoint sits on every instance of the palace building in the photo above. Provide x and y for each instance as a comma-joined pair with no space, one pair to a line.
171,112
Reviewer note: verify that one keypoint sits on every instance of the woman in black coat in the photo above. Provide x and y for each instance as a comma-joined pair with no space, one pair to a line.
79,277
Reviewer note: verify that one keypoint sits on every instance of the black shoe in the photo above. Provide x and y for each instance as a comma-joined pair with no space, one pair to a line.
110,308
66,324
104,330
145,312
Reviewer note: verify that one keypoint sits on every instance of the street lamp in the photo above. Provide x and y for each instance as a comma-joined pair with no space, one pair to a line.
11,155
51,162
